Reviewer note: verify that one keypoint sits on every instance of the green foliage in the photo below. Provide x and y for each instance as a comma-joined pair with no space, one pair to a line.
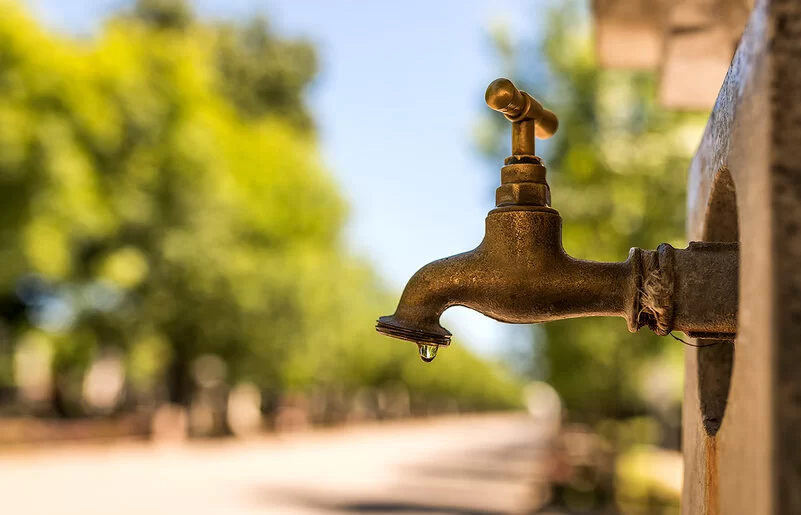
617,170
259,72
263,74
160,194
164,14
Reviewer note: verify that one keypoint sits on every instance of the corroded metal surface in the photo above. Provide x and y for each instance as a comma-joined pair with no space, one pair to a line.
521,274
705,290
693,290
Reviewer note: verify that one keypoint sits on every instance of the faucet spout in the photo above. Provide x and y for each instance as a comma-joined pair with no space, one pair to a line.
519,274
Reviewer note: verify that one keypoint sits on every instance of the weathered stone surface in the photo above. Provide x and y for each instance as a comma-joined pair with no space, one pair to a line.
785,175
752,465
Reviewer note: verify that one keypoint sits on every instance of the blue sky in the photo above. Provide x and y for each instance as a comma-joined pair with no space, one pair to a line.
399,94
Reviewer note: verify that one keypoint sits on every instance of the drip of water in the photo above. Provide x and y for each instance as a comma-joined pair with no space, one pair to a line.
427,352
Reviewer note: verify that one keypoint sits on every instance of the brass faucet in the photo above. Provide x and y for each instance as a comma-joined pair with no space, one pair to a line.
520,273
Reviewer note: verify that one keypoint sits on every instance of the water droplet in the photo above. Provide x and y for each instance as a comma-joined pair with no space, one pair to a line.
427,352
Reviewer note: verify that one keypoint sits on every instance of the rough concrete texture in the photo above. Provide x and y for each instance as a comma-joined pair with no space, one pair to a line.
753,464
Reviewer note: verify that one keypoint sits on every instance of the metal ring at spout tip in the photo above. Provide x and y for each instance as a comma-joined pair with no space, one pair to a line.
412,335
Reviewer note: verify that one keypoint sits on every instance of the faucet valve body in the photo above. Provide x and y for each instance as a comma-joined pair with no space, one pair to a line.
523,184
523,180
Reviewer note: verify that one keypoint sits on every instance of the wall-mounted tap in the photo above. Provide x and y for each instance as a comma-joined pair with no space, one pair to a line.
521,274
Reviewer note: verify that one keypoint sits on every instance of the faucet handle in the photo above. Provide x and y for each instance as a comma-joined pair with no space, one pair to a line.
528,117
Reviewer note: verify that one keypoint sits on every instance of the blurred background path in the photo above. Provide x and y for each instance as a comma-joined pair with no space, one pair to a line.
455,465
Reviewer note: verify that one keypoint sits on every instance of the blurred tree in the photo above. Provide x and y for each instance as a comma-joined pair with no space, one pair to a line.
160,196
140,204
164,14
260,72
617,169
263,74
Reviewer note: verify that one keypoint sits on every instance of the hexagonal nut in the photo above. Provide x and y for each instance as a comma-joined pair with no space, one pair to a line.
523,193
523,172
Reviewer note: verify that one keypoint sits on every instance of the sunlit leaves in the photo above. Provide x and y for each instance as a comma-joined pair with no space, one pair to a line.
161,195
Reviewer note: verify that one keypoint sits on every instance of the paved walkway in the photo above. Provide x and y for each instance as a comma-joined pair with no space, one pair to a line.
473,465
